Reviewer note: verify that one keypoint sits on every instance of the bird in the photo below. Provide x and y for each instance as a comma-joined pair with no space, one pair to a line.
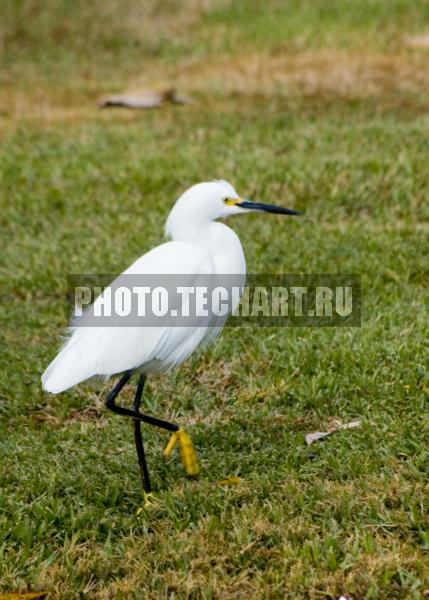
198,244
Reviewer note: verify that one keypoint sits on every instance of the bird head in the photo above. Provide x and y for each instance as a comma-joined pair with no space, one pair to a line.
213,200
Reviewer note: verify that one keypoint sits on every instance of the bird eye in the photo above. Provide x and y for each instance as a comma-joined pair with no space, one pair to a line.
229,201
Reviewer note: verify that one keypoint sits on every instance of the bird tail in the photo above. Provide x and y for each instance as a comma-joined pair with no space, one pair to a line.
66,370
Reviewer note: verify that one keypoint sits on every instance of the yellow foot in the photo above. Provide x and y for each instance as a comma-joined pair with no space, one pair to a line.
148,502
187,452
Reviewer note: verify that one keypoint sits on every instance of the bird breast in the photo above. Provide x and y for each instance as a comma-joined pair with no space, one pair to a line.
225,249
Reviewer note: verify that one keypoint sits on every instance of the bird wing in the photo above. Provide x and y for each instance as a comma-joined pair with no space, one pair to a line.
104,351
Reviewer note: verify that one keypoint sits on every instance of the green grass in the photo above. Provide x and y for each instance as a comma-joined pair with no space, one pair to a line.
88,191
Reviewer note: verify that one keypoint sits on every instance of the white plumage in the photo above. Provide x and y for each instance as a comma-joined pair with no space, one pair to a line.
199,246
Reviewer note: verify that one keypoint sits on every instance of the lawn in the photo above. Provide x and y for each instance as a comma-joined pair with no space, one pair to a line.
319,105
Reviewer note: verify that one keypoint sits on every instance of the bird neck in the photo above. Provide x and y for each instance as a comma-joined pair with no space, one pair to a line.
186,226
219,240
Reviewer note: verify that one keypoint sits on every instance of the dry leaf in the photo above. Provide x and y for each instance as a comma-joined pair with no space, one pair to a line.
143,100
417,41
318,435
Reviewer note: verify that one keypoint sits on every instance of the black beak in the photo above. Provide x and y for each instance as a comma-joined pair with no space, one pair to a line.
270,208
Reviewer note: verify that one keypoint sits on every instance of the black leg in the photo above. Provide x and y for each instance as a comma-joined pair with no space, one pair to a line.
135,414
110,400
179,435
138,437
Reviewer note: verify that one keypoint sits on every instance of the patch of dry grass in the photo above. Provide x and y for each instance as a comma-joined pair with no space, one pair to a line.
392,81
337,73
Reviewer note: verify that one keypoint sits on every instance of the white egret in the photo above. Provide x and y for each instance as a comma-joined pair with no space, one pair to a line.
199,245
